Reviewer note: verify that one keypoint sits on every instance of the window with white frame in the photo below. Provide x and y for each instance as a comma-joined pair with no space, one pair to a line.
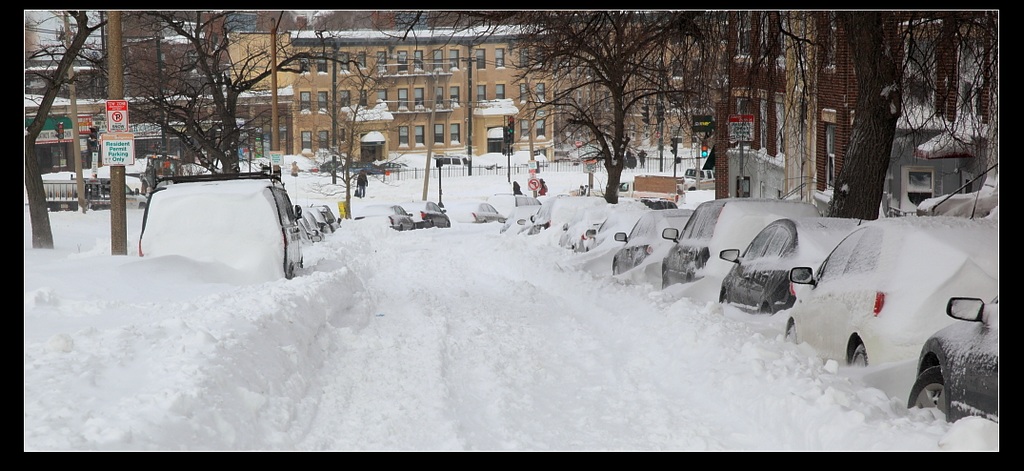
540,126
343,66
321,66
304,66
438,60
481,92
403,135
307,140
524,93
361,59
456,135
499,57
382,96
382,62
419,135
830,150
920,183
439,97
344,98
439,133
304,101
780,125
524,129
321,101
499,91
362,97
540,92
403,98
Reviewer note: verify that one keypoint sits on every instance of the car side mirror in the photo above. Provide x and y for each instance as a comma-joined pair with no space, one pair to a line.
565,226
670,233
298,211
802,276
966,309
730,255
621,237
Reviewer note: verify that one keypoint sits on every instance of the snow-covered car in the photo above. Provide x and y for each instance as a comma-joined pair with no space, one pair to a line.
559,210
881,291
397,217
426,214
473,212
644,239
194,217
518,221
958,369
506,202
716,225
759,279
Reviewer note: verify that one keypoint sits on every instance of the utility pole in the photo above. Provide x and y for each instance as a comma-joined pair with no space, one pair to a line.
79,182
118,216
469,111
275,144
334,116
431,84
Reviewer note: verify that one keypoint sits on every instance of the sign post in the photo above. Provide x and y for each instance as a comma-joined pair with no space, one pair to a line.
741,129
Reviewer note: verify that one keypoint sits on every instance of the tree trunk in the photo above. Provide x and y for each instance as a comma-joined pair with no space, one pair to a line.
858,188
42,235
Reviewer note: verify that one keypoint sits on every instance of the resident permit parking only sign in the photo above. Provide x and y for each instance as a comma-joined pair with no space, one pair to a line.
118,148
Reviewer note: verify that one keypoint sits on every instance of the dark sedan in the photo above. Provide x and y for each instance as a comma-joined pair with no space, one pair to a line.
958,370
759,279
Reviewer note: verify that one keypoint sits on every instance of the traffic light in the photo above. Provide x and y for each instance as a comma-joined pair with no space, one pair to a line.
93,143
659,112
675,146
60,130
511,130
704,150
646,113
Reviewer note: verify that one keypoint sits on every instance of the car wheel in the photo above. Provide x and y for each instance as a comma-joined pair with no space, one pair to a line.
791,331
722,297
859,356
766,308
665,283
929,390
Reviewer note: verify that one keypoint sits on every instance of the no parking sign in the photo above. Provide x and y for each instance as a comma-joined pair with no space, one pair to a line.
533,184
117,115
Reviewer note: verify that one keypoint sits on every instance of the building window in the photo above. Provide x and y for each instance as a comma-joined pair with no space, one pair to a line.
454,131
382,63
743,105
321,66
403,136
344,98
831,40
524,93
361,59
417,96
321,101
481,92
417,60
763,36
453,58
920,182
499,91
403,98
439,134
743,33
481,59
540,92
419,135
453,94
499,57
322,140
304,66
307,140
403,61
382,96
780,124
438,97
763,131
362,98
830,149
304,98
524,129
343,65
438,60
524,58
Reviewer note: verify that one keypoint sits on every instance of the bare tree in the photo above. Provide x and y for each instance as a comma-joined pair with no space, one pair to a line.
65,57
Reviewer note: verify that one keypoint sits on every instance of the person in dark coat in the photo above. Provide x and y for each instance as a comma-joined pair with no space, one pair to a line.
515,189
361,182
643,158
543,188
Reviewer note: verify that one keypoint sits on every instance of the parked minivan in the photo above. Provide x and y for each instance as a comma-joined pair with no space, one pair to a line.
245,221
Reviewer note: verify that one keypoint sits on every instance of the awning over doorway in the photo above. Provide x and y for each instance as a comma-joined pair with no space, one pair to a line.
943,146
709,164
373,136
496,133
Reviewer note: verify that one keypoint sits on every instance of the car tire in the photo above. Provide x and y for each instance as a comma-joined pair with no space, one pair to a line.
929,390
791,335
858,356
723,297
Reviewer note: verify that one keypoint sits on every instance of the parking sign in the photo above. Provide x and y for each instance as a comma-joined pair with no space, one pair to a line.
117,115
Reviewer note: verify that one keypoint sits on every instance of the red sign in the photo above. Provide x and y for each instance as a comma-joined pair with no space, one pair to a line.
534,184
579,144
741,118
117,115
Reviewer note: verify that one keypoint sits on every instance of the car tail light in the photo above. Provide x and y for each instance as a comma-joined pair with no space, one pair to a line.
792,289
648,249
140,249
423,215
879,302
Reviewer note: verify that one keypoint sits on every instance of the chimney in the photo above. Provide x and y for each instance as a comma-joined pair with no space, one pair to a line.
301,21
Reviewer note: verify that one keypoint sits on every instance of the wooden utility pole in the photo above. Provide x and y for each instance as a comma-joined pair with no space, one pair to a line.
76,145
118,217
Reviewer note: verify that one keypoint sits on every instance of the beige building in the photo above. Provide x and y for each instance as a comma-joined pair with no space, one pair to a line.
436,91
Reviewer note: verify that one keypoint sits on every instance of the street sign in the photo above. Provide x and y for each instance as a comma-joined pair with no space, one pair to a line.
533,184
117,115
276,157
579,144
703,123
741,127
118,148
